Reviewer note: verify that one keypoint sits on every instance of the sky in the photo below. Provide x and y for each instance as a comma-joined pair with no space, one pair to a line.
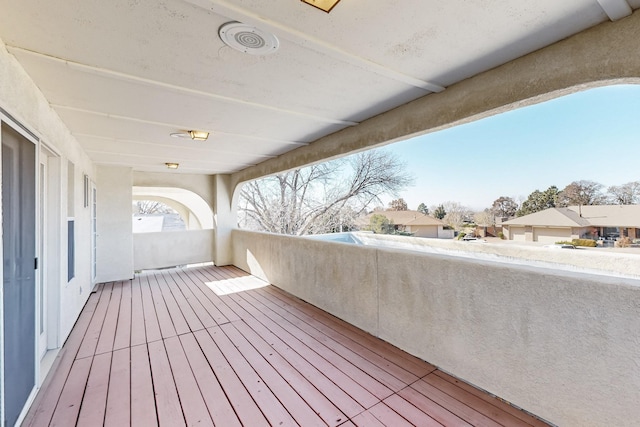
591,135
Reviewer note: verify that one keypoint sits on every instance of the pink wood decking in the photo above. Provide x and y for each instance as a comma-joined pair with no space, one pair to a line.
214,346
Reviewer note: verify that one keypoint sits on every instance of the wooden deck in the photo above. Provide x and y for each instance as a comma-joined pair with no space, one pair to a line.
214,346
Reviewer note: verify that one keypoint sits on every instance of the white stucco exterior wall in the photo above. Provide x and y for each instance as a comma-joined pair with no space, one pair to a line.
22,99
172,248
560,344
115,234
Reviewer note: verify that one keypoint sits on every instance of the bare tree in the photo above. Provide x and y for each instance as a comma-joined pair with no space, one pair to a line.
504,207
398,205
485,218
625,194
321,198
583,192
148,207
456,215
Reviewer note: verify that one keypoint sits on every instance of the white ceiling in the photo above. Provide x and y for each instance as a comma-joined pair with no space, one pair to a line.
124,74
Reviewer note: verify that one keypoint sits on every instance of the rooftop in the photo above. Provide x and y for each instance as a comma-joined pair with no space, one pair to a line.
582,216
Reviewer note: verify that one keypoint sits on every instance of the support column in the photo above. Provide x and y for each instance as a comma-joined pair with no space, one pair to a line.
226,218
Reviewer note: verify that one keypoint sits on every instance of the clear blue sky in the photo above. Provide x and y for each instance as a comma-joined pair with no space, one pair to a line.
592,135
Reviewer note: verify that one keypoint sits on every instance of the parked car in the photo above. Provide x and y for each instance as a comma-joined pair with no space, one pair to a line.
473,239
560,246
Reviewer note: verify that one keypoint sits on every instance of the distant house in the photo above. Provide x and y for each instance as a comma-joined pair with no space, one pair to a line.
414,222
575,222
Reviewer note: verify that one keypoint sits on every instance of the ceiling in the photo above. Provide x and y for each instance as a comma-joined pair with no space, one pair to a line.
125,74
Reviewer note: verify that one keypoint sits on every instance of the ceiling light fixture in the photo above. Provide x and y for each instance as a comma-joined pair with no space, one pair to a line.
197,135
248,39
325,5
172,165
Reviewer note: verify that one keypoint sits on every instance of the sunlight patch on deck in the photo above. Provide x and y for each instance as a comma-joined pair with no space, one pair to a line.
235,285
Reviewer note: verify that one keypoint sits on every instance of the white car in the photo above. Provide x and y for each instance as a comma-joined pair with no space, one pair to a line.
560,246
473,239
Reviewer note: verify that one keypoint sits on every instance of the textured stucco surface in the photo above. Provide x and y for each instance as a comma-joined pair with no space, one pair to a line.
562,345
115,232
168,249
21,98
605,54
586,260
341,281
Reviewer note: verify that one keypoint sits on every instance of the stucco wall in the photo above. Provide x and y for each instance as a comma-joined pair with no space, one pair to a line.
562,345
115,234
424,230
168,249
22,99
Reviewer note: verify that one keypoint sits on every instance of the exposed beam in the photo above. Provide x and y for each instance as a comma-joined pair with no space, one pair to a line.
168,125
197,146
163,159
234,12
174,88
615,9
140,168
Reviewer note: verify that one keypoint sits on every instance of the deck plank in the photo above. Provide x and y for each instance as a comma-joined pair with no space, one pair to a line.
310,383
123,328
474,402
395,371
45,403
428,406
243,404
140,355
177,317
492,400
108,332
168,403
143,406
118,410
457,407
165,322
205,318
379,382
342,372
91,337
68,408
202,279
94,401
409,362
411,413
193,405
388,416
219,406
203,296
263,396
138,330
151,324
282,387
189,315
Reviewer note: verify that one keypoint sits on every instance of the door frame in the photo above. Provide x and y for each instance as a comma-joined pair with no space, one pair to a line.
49,249
8,120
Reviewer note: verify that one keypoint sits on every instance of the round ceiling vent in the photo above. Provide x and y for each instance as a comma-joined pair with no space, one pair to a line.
248,39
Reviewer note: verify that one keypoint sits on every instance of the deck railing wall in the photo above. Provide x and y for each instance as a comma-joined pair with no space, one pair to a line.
172,248
562,345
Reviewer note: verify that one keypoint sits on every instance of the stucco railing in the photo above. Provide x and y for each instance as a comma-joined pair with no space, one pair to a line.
172,248
560,344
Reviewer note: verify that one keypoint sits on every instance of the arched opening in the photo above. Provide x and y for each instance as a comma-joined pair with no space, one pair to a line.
583,141
157,209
